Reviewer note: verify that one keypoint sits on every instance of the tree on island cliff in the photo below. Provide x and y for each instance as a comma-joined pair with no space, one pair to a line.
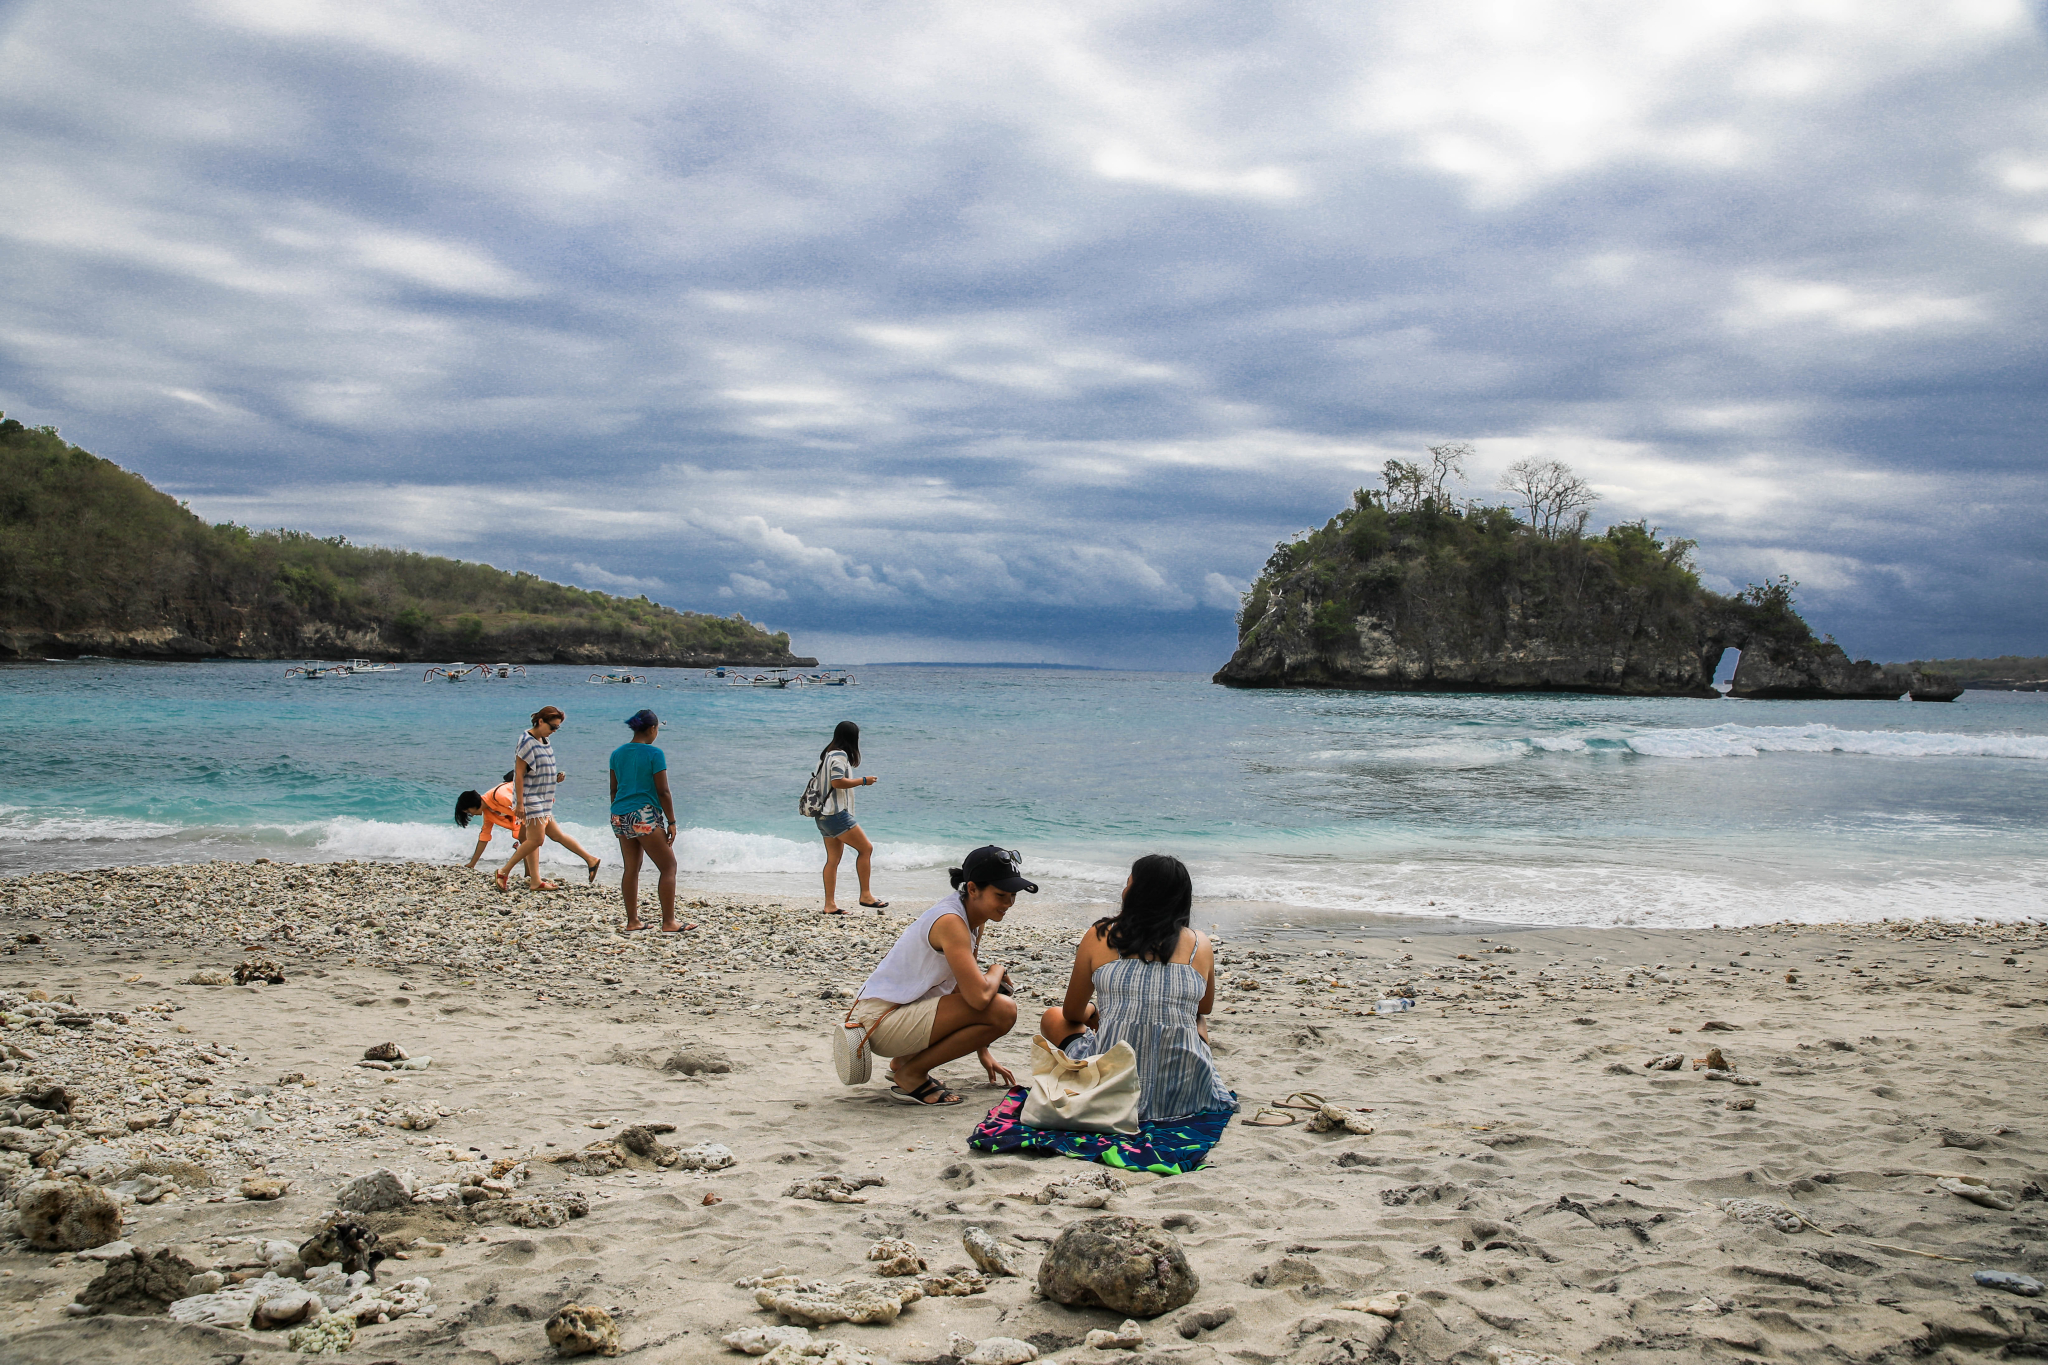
1411,487
1557,500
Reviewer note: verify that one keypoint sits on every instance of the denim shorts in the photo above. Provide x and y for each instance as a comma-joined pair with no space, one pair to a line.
832,826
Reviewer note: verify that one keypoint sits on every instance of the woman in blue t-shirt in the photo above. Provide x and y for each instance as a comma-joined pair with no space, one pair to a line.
644,818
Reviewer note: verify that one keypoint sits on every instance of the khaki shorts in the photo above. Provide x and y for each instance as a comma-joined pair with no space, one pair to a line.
907,1029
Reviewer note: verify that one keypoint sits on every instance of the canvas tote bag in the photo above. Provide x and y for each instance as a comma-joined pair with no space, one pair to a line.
850,1055
1096,1095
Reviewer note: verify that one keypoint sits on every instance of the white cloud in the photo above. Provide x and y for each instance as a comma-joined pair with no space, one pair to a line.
758,589
604,578
1509,97
1776,303
1220,593
1120,162
824,566
1811,570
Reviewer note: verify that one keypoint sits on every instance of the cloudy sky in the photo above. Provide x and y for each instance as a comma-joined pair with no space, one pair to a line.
1022,331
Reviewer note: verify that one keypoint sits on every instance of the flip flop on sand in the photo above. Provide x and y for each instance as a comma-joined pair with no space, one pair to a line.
1270,1118
939,1095
876,905
836,910
1315,1101
595,864
545,886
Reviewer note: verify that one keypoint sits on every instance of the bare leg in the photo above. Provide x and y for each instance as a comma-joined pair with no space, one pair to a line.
1059,1031
556,833
833,848
629,879
531,835
664,860
864,856
956,1032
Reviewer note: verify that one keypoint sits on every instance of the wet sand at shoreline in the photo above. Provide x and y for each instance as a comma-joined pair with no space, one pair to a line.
1530,1182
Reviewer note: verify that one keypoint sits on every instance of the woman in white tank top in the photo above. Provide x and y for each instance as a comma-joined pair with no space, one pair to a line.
930,1001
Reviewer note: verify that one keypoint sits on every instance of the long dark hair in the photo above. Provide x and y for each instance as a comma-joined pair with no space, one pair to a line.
1155,910
846,737
464,804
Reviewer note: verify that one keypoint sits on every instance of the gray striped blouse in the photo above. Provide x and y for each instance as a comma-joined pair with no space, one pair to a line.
1151,1006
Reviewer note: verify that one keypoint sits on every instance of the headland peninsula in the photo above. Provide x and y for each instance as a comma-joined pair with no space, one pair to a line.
93,560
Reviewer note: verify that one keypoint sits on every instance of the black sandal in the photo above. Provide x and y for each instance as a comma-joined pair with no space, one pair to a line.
917,1096
875,905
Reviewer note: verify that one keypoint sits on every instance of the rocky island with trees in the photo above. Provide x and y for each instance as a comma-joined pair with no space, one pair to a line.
93,560
1411,589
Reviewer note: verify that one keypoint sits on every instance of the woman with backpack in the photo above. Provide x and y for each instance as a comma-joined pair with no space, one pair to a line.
834,785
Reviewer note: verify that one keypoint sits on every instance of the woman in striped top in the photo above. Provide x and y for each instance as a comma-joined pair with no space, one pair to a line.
1152,981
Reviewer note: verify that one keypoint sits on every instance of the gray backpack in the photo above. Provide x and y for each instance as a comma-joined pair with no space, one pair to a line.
817,792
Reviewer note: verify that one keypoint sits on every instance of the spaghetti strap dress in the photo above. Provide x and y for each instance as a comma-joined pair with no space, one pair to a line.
1151,1006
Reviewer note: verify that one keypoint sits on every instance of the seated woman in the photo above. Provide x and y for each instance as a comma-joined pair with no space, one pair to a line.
931,1001
1154,982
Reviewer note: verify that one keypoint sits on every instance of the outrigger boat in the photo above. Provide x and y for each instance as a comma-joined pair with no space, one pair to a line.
763,680
312,671
831,678
617,678
503,670
365,666
455,672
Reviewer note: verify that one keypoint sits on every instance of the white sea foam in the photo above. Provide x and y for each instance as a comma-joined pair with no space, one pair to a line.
1717,741
1521,892
1325,889
724,850
1748,741
18,826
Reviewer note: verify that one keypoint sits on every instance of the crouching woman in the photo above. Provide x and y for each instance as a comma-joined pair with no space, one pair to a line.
930,1001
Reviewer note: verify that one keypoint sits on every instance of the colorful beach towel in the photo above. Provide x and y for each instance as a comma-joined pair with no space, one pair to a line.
1170,1148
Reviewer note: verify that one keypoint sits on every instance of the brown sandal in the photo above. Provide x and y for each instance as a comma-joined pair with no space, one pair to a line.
1270,1118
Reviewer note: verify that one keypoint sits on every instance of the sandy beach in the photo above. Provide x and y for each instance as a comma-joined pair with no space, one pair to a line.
1530,1182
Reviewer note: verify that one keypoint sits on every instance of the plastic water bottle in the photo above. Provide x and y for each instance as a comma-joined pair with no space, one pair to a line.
1394,1006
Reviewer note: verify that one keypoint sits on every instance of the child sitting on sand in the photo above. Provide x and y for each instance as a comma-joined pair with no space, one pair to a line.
930,1001
1154,981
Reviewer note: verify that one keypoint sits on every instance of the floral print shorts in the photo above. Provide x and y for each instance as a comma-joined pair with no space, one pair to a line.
634,824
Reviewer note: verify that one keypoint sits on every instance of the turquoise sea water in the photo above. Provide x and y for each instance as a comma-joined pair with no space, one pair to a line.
1521,809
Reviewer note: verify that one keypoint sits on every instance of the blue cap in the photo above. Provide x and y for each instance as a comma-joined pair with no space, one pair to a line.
643,719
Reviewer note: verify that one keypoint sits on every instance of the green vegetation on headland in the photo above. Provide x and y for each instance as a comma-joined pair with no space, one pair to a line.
1410,590
2006,673
93,560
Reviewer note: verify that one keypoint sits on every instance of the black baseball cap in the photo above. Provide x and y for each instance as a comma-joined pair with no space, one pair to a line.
997,867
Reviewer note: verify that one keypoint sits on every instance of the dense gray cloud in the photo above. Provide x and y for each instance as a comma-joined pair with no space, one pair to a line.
1022,331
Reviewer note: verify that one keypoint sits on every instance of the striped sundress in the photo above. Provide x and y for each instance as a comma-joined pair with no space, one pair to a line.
1151,1006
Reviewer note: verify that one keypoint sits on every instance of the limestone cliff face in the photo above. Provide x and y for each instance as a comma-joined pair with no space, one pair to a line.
1780,670
1603,647
1467,601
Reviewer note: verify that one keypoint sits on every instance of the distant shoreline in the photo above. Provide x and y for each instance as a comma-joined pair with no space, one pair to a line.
1066,668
